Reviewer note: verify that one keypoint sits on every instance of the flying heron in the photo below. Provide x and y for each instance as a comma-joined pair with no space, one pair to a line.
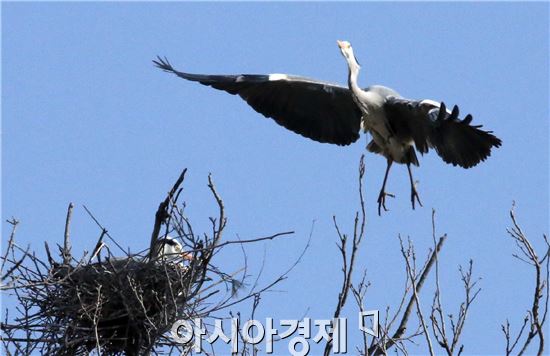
330,113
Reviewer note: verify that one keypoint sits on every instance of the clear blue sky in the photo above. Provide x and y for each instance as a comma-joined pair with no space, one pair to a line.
87,118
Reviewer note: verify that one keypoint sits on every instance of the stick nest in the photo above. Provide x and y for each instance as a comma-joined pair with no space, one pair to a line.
103,304
106,304
120,305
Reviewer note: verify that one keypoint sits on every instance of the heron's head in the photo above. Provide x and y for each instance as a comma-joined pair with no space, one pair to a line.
347,52
169,249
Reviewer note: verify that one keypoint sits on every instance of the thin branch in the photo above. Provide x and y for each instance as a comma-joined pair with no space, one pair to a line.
103,229
408,255
66,240
241,242
162,213
348,266
533,318
378,349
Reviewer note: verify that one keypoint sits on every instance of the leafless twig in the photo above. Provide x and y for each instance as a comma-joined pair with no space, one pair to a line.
438,322
66,239
410,261
349,263
533,318
381,347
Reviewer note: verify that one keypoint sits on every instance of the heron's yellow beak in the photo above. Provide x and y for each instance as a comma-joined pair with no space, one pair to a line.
187,256
343,44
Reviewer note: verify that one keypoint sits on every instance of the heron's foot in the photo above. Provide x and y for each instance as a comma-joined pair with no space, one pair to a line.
414,195
382,201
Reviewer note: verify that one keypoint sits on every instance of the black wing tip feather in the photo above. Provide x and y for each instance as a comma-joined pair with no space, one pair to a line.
486,136
442,112
210,80
454,113
164,64
269,99
460,143
480,149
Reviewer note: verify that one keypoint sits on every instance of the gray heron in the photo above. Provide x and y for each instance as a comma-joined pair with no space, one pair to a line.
331,113
169,249
166,249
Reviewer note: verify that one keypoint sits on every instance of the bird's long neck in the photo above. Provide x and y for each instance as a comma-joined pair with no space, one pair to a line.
352,77
361,98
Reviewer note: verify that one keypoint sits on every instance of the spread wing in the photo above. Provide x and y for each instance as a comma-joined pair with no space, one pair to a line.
321,111
431,125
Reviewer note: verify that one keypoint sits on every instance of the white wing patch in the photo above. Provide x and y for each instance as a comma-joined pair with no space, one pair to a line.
430,102
277,76
434,103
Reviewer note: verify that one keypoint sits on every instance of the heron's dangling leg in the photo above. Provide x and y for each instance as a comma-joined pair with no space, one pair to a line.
383,194
414,193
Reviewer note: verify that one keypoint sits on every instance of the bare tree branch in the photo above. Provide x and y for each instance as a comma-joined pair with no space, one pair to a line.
66,240
438,321
380,348
533,317
410,261
348,266
162,213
